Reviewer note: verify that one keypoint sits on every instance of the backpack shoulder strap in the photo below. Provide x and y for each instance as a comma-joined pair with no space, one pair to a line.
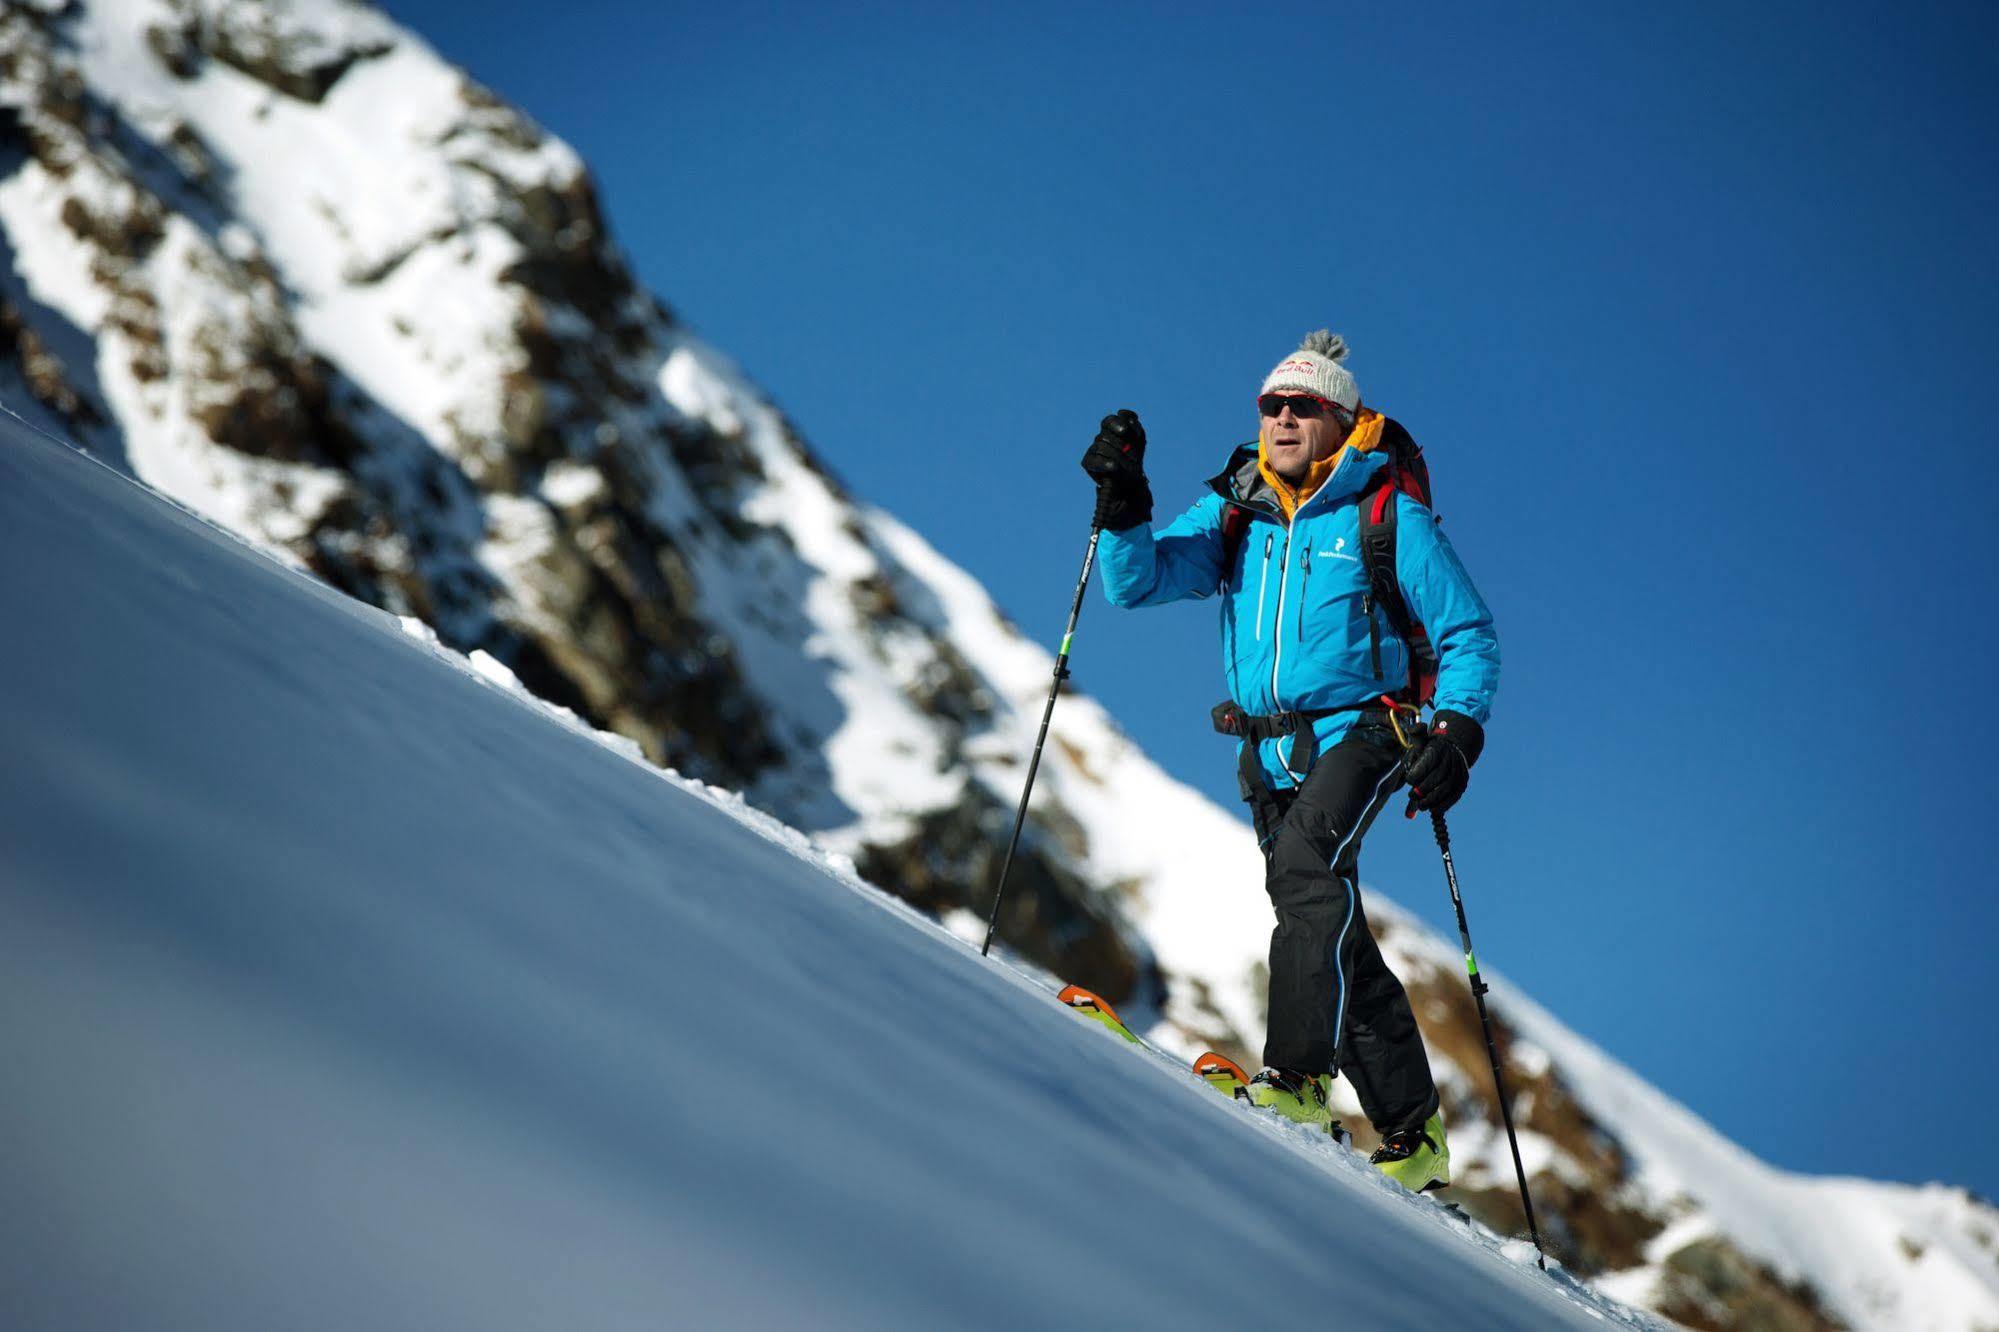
1378,524
1235,529
1236,516
1377,551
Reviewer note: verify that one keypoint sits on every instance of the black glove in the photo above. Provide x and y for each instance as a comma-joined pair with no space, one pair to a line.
1116,462
1439,765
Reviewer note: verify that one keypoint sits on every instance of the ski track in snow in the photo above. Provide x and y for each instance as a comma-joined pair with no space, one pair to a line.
349,986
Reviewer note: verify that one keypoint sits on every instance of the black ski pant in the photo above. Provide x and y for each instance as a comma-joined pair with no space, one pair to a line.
1333,1001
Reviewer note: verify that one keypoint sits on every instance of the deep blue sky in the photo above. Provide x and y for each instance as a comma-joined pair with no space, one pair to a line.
1692,309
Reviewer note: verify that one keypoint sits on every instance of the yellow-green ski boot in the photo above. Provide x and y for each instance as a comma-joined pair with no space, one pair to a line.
1299,1097
1417,1159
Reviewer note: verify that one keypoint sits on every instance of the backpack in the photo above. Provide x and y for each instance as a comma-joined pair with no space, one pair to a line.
1409,473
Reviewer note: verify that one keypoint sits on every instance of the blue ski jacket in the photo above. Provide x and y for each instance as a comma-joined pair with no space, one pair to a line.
1294,634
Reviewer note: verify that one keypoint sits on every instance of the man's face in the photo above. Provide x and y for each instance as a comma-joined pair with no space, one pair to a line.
1293,442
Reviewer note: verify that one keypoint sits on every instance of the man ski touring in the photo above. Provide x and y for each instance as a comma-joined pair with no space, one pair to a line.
1336,589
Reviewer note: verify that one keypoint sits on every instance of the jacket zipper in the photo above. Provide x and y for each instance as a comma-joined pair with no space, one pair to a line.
1277,658
1262,581
1373,634
1304,563
1283,585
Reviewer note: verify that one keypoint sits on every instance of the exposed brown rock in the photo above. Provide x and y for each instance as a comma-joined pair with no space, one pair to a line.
643,658
1712,1284
1079,761
47,379
191,155
497,118
874,598
263,398
175,46
948,689
1050,915
135,313
128,227
1197,1012
253,36
56,98
1596,1228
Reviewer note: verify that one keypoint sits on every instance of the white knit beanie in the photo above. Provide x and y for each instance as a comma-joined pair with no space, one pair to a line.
1315,369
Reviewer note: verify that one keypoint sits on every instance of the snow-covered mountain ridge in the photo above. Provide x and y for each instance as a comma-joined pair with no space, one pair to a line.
300,274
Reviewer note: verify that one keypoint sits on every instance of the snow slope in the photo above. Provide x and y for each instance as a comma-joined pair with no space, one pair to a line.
344,988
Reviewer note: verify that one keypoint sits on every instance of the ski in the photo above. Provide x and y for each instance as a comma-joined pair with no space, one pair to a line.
1220,1072
1098,1009
1217,1070
1224,1074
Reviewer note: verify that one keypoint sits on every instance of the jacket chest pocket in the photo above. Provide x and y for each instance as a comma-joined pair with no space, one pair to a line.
1331,593
1253,588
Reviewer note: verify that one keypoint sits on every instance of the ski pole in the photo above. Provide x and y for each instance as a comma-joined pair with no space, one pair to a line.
1478,989
1034,763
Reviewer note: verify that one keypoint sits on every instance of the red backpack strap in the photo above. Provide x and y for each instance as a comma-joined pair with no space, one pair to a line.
1377,513
1380,514
1235,527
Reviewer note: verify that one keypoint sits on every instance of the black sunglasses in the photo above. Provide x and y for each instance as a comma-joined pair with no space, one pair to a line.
1303,405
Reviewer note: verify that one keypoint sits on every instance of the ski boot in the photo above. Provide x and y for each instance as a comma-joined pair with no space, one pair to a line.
1299,1097
1417,1159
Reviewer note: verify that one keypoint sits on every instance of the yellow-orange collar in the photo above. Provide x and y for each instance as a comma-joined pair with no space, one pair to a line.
1365,436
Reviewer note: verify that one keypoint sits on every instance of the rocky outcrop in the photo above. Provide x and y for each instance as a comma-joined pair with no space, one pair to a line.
281,45
1712,1284
950,863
